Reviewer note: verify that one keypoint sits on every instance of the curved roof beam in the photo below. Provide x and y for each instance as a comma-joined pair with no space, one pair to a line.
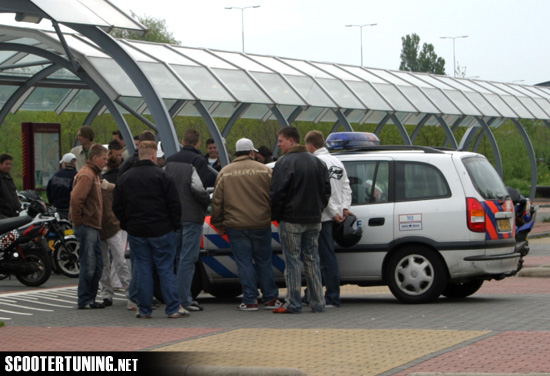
448,132
214,131
532,158
56,59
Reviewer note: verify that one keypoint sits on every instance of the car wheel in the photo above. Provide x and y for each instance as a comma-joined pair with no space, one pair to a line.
462,290
416,274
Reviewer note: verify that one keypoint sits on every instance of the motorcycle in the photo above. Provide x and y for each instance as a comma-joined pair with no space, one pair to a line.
23,248
525,215
63,245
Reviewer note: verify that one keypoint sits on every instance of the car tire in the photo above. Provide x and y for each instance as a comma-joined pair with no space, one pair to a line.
416,274
462,290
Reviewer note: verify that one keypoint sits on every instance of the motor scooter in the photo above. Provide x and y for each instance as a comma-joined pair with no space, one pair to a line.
525,215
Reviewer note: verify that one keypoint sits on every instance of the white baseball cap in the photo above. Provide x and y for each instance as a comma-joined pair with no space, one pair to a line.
244,144
67,158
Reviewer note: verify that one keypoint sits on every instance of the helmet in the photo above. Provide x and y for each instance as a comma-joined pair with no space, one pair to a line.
345,234
36,207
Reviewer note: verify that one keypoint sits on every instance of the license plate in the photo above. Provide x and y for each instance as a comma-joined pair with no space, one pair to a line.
503,225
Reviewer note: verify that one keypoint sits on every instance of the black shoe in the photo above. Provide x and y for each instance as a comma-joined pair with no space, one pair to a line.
107,302
92,305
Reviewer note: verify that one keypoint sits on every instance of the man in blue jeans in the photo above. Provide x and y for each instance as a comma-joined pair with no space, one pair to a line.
86,210
300,190
146,203
240,208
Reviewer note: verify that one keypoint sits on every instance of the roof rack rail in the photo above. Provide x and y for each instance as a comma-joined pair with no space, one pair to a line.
425,149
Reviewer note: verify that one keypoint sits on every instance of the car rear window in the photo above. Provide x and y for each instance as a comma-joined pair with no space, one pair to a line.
485,179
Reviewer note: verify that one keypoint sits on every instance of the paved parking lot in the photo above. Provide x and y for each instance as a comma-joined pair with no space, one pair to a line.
504,328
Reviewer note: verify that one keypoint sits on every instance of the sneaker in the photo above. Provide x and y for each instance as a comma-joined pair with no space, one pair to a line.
281,310
194,306
248,307
131,306
156,303
140,316
107,302
273,303
181,312
331,306
92,305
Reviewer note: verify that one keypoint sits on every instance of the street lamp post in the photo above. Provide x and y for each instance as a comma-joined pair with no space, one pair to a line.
454,59
242,18
361,36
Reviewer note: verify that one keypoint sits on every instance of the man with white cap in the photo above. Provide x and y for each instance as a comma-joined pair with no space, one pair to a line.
241,209
61,184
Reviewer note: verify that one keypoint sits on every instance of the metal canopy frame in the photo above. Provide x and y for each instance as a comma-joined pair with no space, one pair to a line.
76,53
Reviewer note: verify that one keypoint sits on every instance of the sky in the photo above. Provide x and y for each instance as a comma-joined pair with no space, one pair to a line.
507,40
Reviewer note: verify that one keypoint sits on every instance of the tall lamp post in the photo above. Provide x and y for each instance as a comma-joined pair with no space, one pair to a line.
454,59
361,36
242,18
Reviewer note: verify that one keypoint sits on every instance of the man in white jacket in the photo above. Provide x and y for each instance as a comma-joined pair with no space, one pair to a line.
336,211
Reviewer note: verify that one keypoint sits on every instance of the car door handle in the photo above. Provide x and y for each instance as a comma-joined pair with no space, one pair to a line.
377,221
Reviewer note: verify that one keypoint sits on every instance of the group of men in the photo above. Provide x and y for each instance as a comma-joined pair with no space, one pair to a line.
307,191
163,211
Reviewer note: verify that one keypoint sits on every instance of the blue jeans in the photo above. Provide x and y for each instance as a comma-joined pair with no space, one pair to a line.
253,255
189,246
159,252
302,240
132,289
329,264
91,264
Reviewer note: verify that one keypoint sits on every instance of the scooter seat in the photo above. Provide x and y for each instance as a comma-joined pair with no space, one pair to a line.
8,224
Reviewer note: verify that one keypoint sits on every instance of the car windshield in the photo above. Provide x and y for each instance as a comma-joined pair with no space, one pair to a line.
486,180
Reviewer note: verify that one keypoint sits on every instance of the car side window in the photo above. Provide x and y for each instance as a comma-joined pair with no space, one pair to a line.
419,181
369,181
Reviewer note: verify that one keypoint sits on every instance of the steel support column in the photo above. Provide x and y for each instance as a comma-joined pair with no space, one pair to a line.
149,93
234,117
532,158
493,141
448,132
401,129
419,127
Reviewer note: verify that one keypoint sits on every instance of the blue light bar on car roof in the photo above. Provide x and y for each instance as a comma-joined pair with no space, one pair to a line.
351,140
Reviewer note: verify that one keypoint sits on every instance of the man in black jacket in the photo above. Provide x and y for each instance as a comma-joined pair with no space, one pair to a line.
9,202
300,190
61,184
190,154
147,204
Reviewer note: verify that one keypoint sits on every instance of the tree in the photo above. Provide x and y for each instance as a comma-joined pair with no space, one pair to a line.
157,31
425,61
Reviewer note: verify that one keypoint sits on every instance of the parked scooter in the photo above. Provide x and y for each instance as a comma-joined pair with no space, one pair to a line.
525,215
63,244
23,248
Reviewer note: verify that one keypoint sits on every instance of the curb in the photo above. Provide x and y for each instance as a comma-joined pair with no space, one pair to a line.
233,371
539,271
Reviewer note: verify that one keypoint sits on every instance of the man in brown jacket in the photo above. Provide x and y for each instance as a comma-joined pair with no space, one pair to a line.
241,208
86,211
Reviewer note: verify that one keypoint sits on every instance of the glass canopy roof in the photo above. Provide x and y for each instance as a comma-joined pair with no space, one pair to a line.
229,79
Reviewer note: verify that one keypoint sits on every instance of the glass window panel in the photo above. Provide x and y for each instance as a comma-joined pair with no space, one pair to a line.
434,82
369,96
165,82
389,77
508,89
340,93
309,114
135,53
224,110
27,41
64,74
493,88
5,55
256,111
241,61
544,104
203,83
533,108
204,58
525,91
419,99
462,103
517,106
167,102
82,47
132,102
375,117
306,68
6,92
482,104
363,74
84,101
500,105
242,86
395,98
453,83
542,91
115,76
411,78
337,72
276,65
355,116
475,87
310,91
163,53
70,11
441,101
328,116
44,99
279,90
189,110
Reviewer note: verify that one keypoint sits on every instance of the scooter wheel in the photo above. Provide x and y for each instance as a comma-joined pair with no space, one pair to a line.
67,258
42,268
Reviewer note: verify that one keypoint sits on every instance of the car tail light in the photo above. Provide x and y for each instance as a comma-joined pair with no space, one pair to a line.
476,215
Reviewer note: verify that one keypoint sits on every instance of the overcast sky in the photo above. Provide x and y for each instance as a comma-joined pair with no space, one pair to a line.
507,39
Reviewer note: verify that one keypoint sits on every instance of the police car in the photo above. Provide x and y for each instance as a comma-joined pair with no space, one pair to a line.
434,222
